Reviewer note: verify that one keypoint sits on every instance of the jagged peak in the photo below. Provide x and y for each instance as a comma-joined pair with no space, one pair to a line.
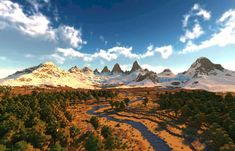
135,67
105,70
96,71
117,69
74,69
86,69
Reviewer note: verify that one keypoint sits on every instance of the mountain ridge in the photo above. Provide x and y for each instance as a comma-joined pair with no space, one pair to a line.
202,74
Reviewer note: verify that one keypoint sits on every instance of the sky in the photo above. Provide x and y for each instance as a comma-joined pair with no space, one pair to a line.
158,34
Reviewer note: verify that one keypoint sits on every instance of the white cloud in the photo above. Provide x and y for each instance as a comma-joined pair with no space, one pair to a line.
190,35
115,52
70,35
229,65
125,51
165,51
38,4
70,52
13,15
196,31
36,24
126,67
195,11
149,52
156,69
223,37
201,12
105,55
4,72
185,20
58,58
159,69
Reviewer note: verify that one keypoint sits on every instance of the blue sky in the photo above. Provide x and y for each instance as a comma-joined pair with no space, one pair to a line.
158,33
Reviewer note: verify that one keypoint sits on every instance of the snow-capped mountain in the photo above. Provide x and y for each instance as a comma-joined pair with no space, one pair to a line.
202,74
136,77
203,66
206,75
49,74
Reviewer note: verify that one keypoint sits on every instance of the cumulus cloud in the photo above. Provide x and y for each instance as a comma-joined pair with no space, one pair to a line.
190,35
201,12
156,69
70,35
195,11
196,30
59,59
223,37
36,24
37,4
104,55
165,51
125,51
12,14
126,67
149,52
115,52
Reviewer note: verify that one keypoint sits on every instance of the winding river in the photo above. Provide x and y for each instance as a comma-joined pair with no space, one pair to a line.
157,143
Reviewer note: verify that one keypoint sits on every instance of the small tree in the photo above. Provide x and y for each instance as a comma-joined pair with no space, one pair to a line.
74,131
95,122
145,101
126,100
117,104
122,105
93,143
106,131
111,103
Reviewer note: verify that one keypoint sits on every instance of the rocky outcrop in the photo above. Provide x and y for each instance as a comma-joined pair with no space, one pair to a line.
147,76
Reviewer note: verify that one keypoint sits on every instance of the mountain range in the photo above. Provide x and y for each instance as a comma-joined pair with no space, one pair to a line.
202,74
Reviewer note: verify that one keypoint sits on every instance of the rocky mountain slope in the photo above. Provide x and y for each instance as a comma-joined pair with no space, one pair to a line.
202,74
49,74
206,75
105,70
117,69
